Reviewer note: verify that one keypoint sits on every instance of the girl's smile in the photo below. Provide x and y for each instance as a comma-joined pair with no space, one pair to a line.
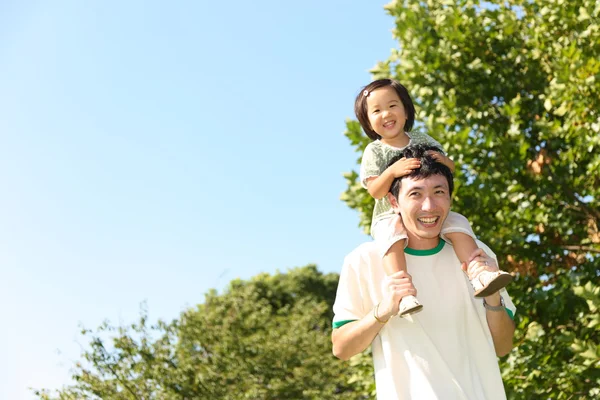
387,116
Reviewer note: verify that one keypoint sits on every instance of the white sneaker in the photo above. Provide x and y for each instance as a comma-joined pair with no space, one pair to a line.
409,305
488,283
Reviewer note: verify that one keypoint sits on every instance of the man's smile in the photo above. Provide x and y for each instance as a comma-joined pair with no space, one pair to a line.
428,221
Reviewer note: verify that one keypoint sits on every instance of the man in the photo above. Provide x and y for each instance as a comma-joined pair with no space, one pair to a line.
447,351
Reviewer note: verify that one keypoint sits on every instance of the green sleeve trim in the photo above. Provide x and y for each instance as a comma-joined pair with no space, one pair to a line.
338,324
428,252
510,313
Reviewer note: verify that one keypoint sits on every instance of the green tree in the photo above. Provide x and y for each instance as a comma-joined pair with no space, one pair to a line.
512,89
267,338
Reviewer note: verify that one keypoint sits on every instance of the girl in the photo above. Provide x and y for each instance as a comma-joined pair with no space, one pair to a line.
386,113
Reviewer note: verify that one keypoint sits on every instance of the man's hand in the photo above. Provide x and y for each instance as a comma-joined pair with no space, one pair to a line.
354,337
479,261
404,166
439,157
398,285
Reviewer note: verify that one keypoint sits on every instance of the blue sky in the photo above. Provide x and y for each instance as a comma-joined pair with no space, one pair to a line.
150,151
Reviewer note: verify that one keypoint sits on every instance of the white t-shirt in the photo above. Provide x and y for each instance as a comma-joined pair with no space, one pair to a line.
445,351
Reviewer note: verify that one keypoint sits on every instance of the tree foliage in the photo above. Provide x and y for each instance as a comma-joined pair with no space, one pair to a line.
512,89
267,338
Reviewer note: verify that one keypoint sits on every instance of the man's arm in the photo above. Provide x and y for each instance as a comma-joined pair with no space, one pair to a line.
502,327
354,337
500,323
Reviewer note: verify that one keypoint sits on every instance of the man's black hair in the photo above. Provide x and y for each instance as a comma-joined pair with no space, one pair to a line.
429,166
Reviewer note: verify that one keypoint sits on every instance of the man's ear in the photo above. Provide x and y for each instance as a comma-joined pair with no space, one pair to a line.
393,202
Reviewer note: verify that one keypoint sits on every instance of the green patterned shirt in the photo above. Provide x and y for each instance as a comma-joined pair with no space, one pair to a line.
375,159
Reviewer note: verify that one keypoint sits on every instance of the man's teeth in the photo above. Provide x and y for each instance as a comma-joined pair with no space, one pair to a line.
428,220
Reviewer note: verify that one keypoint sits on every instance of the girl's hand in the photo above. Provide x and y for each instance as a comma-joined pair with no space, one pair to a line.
404,166
439,157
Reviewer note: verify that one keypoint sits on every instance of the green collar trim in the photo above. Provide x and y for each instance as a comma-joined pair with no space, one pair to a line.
428,252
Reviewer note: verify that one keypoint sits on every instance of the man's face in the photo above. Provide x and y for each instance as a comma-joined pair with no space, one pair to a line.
424,205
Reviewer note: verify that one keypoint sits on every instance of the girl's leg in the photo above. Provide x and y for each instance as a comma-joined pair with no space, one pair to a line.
464,245
390,237
486,283
394,261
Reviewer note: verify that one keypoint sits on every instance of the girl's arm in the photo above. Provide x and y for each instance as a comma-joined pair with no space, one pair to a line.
379,186
441,158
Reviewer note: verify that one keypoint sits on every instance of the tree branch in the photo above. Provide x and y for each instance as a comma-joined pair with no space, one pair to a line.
116,375
581,248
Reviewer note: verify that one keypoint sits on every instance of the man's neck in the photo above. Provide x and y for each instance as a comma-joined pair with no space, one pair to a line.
419,243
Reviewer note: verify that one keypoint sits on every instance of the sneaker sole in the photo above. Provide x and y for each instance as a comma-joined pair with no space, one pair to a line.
495,285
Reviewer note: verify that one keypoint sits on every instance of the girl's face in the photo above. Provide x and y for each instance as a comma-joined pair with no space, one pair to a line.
386,113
